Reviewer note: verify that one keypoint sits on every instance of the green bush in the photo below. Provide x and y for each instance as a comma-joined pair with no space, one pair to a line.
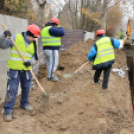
120,35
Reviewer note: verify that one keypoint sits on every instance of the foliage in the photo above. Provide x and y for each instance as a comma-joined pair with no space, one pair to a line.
92,15
20,8
88,15
120,35
114,18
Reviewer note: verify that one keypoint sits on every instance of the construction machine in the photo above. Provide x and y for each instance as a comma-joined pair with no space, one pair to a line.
129,29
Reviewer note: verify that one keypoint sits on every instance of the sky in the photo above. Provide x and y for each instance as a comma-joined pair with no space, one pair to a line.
57,6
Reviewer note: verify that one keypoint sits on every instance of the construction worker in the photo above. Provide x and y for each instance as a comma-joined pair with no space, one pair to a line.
102,55
18,71
51,41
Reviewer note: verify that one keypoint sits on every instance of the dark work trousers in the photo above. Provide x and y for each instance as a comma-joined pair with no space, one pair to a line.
14,77
105,76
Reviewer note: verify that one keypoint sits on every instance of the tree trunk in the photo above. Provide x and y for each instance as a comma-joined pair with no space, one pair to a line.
104,21
40,14
2,4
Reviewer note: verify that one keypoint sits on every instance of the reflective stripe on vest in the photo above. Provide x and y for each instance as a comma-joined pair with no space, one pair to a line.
16,52
104,55
17,59
51,41
105,51
48,40
48,37
15,62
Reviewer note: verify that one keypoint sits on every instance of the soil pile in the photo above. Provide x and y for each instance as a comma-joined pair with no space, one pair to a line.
77,105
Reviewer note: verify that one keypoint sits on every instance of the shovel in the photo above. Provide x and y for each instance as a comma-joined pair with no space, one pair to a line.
45,98
72,74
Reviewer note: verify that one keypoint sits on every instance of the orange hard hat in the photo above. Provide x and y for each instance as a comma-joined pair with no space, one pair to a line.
55,20
100,32
34,29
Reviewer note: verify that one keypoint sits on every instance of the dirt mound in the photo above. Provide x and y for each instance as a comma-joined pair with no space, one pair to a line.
72,58
77,105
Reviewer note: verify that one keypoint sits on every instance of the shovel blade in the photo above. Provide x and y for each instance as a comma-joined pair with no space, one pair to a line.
69,75
45,101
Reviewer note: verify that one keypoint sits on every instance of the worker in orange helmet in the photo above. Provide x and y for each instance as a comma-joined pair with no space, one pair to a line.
51,40
102,55
18,71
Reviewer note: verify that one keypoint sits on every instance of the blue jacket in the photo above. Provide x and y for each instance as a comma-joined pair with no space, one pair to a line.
93,51
56,32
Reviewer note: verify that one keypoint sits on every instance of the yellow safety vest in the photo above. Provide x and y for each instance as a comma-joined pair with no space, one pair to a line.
15,62
48,40
105,51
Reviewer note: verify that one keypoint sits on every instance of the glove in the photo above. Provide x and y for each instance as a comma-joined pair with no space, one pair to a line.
27,63
7,33
127,43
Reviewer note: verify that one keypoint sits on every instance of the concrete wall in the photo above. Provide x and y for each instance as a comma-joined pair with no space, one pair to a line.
15,25
88,35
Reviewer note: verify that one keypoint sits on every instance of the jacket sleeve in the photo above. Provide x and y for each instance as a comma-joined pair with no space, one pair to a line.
118,44
57,31
6,42
92,53
32,60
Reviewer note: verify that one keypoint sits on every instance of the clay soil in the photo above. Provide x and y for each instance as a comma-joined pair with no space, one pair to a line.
77,105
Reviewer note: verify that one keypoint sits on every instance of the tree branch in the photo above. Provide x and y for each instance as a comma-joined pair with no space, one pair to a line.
41,3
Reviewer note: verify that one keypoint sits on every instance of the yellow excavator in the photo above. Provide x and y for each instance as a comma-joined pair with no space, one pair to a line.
129,29
127,42
129,33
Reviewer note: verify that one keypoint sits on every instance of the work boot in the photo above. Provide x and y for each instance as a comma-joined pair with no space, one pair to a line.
54,79
27,107
8,117
104,88
96,81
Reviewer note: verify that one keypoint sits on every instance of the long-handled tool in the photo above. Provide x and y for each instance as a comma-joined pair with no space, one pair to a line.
72,74
45,98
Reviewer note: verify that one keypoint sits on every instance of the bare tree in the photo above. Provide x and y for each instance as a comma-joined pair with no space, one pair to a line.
40,15
84,14
2,4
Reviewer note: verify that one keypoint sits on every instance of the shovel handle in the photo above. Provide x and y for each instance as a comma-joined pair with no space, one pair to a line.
81,67
14,44
25,61
37,81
